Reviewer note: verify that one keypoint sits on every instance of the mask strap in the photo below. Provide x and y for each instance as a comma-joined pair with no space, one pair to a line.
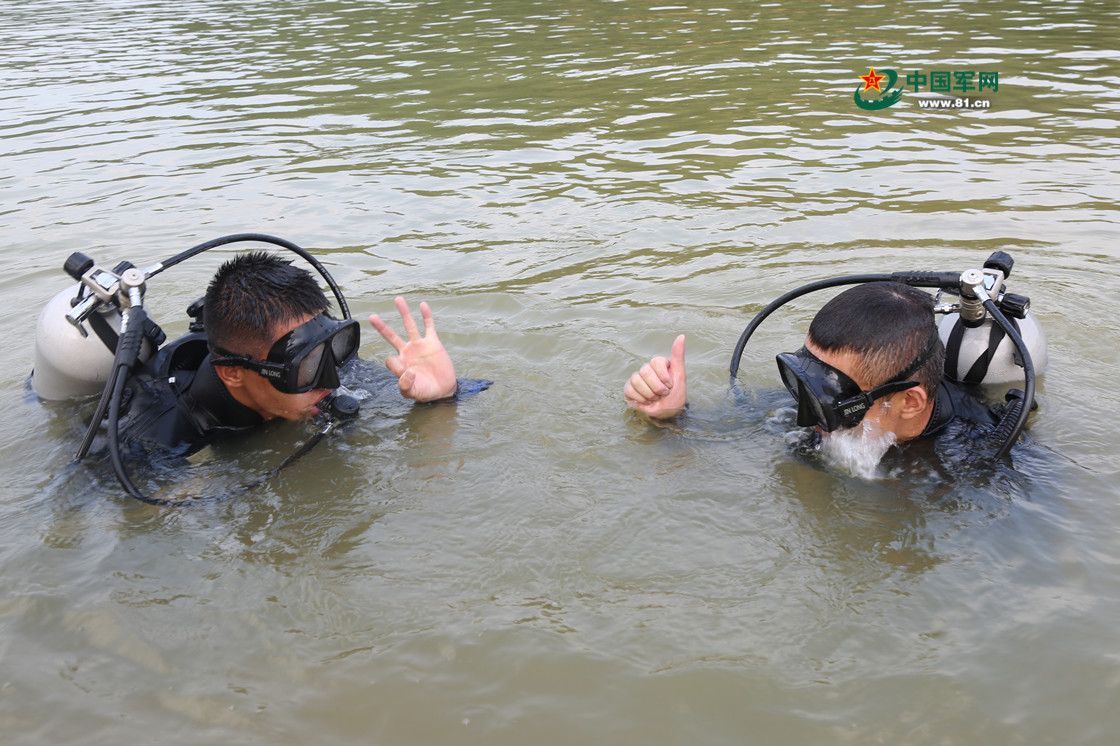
891,387
919,361
900,382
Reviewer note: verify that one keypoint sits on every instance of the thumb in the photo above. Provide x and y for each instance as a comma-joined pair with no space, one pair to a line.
676,357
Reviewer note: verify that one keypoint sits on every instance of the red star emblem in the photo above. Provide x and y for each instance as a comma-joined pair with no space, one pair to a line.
871,80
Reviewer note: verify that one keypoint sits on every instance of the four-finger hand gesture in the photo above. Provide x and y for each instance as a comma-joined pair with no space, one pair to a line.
422,366
659,388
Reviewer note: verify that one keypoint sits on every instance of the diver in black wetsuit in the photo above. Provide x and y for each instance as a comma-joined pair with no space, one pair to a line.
872,359
269,350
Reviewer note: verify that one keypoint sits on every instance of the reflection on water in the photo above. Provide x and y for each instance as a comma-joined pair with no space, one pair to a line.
570,186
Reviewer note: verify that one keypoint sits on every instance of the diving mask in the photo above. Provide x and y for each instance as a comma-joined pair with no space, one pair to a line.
307,357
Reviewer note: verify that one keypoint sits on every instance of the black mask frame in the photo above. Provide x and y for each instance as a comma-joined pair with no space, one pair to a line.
306,358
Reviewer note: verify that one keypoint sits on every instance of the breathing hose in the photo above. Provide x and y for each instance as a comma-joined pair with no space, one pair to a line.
737,353
262,238
128,349
125,357
1023,411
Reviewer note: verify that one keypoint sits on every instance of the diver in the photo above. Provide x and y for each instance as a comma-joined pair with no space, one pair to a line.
272,351
874,358
262,345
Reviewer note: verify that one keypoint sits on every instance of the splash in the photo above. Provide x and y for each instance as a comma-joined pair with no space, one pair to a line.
858,450
358,393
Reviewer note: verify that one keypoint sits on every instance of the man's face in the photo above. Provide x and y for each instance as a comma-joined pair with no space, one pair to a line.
883,417
260,395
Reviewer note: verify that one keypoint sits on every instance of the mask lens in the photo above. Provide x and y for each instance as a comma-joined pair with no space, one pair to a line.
345,343
789,378
309,367
818,388
311,352
794,377
814,414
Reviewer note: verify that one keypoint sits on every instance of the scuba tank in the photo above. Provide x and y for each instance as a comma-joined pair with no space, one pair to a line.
982,345
977,350
77,332
95,335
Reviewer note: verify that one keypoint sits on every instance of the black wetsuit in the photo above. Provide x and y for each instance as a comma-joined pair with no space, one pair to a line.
952,403
176,403
959,438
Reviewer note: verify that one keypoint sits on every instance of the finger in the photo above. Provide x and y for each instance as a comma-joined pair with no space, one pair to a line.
395,365
645,407
660,368
655,373
406,318
640,388
386,333
635,404
632,397
429,322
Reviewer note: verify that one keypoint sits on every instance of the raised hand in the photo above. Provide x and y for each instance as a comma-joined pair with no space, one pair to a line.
422,366
659,388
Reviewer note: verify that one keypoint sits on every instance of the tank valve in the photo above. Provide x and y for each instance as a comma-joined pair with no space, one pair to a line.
972,306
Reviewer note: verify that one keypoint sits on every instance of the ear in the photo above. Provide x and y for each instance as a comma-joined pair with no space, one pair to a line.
913,402
232,376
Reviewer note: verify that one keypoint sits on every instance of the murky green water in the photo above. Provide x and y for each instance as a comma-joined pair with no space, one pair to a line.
569,185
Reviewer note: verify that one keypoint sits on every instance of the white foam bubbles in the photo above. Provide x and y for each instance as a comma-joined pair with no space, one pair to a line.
857,450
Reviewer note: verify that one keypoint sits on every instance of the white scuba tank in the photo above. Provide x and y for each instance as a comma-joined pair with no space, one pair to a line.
69,364
967,350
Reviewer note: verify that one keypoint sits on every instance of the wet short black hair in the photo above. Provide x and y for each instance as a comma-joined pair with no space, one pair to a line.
887,325
253,293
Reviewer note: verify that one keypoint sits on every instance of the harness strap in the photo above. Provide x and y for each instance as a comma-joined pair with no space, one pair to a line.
980,366
104,332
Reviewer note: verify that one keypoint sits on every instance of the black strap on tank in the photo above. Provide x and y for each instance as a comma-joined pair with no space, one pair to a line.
953,348
979,368
103,331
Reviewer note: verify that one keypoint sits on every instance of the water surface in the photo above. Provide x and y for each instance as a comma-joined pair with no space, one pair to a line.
569,185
